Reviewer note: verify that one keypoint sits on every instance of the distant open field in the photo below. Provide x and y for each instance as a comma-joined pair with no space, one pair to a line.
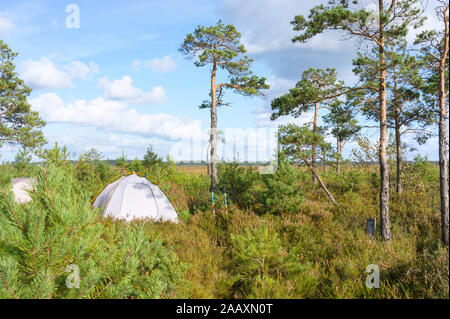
200,169
203,169
194,169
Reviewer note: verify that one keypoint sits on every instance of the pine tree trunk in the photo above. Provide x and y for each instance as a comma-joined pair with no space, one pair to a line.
208,164
398,142
324,160
338,149
213,137
313,148
443,175
398,145
443,153
384,168
321,182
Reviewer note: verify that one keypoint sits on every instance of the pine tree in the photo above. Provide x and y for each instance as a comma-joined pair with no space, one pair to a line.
391,21
296,143
135,165
317,89
18,123
92,155
263,268
23,159
434,46
122,162
220,47
406,114
343,124
151,158
58,156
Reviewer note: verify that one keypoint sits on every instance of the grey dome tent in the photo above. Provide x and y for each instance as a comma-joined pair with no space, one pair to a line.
132,197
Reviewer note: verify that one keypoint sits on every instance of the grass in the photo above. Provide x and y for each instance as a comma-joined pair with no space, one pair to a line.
300,246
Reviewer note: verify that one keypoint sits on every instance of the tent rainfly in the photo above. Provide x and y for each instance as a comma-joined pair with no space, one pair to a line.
132,197
20,186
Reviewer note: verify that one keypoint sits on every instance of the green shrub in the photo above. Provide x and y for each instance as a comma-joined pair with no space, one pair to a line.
5,175
135,166
348,181
263,268
197,192
39,240
276,193
185,216
58,156
281,238
419,174
283,191
104,172
22,160
239,183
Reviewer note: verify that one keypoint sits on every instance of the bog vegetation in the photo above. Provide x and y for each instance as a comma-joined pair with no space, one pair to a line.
299,232
281,237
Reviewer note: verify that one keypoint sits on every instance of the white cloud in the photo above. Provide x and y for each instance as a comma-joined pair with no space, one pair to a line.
157,65
79,70
44,74
262,119
113,116
121,127
161,65
123,89
109,143
267,34
265,25
431,22
278,87
6,25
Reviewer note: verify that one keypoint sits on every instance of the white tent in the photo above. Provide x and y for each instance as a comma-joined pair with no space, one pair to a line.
133,197
20,187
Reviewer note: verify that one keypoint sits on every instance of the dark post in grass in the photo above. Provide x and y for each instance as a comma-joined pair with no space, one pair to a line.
371,226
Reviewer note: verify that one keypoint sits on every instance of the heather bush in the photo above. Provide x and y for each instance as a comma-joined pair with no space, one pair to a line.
347,181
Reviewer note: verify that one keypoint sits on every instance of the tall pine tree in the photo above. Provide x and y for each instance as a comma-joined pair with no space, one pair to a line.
405,112
219,46
434,46
391,20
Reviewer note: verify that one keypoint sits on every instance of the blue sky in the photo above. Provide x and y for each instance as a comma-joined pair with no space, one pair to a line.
118,82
